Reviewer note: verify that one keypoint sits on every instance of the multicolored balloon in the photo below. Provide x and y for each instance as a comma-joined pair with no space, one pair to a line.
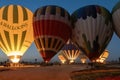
52,29
92,30
116,18
70,51
16,31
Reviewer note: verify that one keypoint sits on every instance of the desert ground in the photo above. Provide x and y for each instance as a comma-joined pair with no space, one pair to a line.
55,72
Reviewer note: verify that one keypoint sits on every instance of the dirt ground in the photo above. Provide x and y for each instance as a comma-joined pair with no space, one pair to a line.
54,72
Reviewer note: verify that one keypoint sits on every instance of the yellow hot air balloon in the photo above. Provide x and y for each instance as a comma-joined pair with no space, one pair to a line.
16,33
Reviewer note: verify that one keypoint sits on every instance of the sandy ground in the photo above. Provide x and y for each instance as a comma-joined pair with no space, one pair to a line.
40,73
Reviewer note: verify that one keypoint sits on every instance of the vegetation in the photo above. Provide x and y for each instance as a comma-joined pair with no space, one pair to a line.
95,74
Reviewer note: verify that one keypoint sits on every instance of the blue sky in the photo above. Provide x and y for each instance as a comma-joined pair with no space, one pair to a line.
70,6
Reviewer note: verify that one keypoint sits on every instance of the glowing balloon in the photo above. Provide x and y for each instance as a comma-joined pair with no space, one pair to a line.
16,33
92,30
116,18
71,51
52,29
62,58
83,58
103,56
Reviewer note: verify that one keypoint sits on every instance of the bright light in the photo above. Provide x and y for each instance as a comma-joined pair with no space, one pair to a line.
15,59
15,56
101,60
14,53
83,60
63,61
98,60
71,61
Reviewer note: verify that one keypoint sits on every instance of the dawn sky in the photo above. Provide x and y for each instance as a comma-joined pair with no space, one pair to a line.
70,6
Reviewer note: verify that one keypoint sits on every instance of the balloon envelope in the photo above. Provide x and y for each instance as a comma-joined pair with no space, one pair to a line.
103,56
51,26
62,58
116,18
16,33
83,58
71,51
92,30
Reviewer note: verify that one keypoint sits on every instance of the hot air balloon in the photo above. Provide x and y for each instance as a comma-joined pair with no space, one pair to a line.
62,58
103,57
71,51
83,58
92,30
16,33
52,29
116,18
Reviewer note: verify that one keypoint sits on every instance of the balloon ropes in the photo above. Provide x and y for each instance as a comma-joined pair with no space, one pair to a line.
16,33
92,30
52,29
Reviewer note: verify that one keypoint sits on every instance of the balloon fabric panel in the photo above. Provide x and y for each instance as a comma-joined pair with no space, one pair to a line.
116,18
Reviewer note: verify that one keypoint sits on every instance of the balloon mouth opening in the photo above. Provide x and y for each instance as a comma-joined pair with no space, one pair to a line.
15,56
83,60
63,61
72,61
